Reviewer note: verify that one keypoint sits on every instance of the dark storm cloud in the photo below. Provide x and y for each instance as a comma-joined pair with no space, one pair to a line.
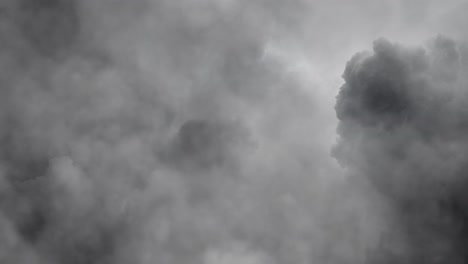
161,131
50,26
402,126
47,28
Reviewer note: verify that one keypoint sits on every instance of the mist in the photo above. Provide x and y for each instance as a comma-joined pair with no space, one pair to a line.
210,131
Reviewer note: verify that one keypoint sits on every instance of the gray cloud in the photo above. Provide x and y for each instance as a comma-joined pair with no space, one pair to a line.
158,132
402,128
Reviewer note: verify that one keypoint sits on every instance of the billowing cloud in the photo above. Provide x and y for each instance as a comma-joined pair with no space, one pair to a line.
158,132
403,129
198,131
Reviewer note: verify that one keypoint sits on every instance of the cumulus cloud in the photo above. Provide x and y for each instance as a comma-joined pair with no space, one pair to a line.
198,131
402,127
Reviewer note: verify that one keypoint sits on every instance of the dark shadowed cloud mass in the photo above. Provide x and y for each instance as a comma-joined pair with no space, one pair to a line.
403,126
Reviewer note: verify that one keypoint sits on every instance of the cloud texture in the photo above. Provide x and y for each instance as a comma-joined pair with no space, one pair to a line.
402,113
158,132
198,131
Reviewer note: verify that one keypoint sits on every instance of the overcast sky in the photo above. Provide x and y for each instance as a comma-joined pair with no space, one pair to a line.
207,131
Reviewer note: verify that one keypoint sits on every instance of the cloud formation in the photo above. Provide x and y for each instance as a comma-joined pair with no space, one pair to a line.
198,131
403,129
158,132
